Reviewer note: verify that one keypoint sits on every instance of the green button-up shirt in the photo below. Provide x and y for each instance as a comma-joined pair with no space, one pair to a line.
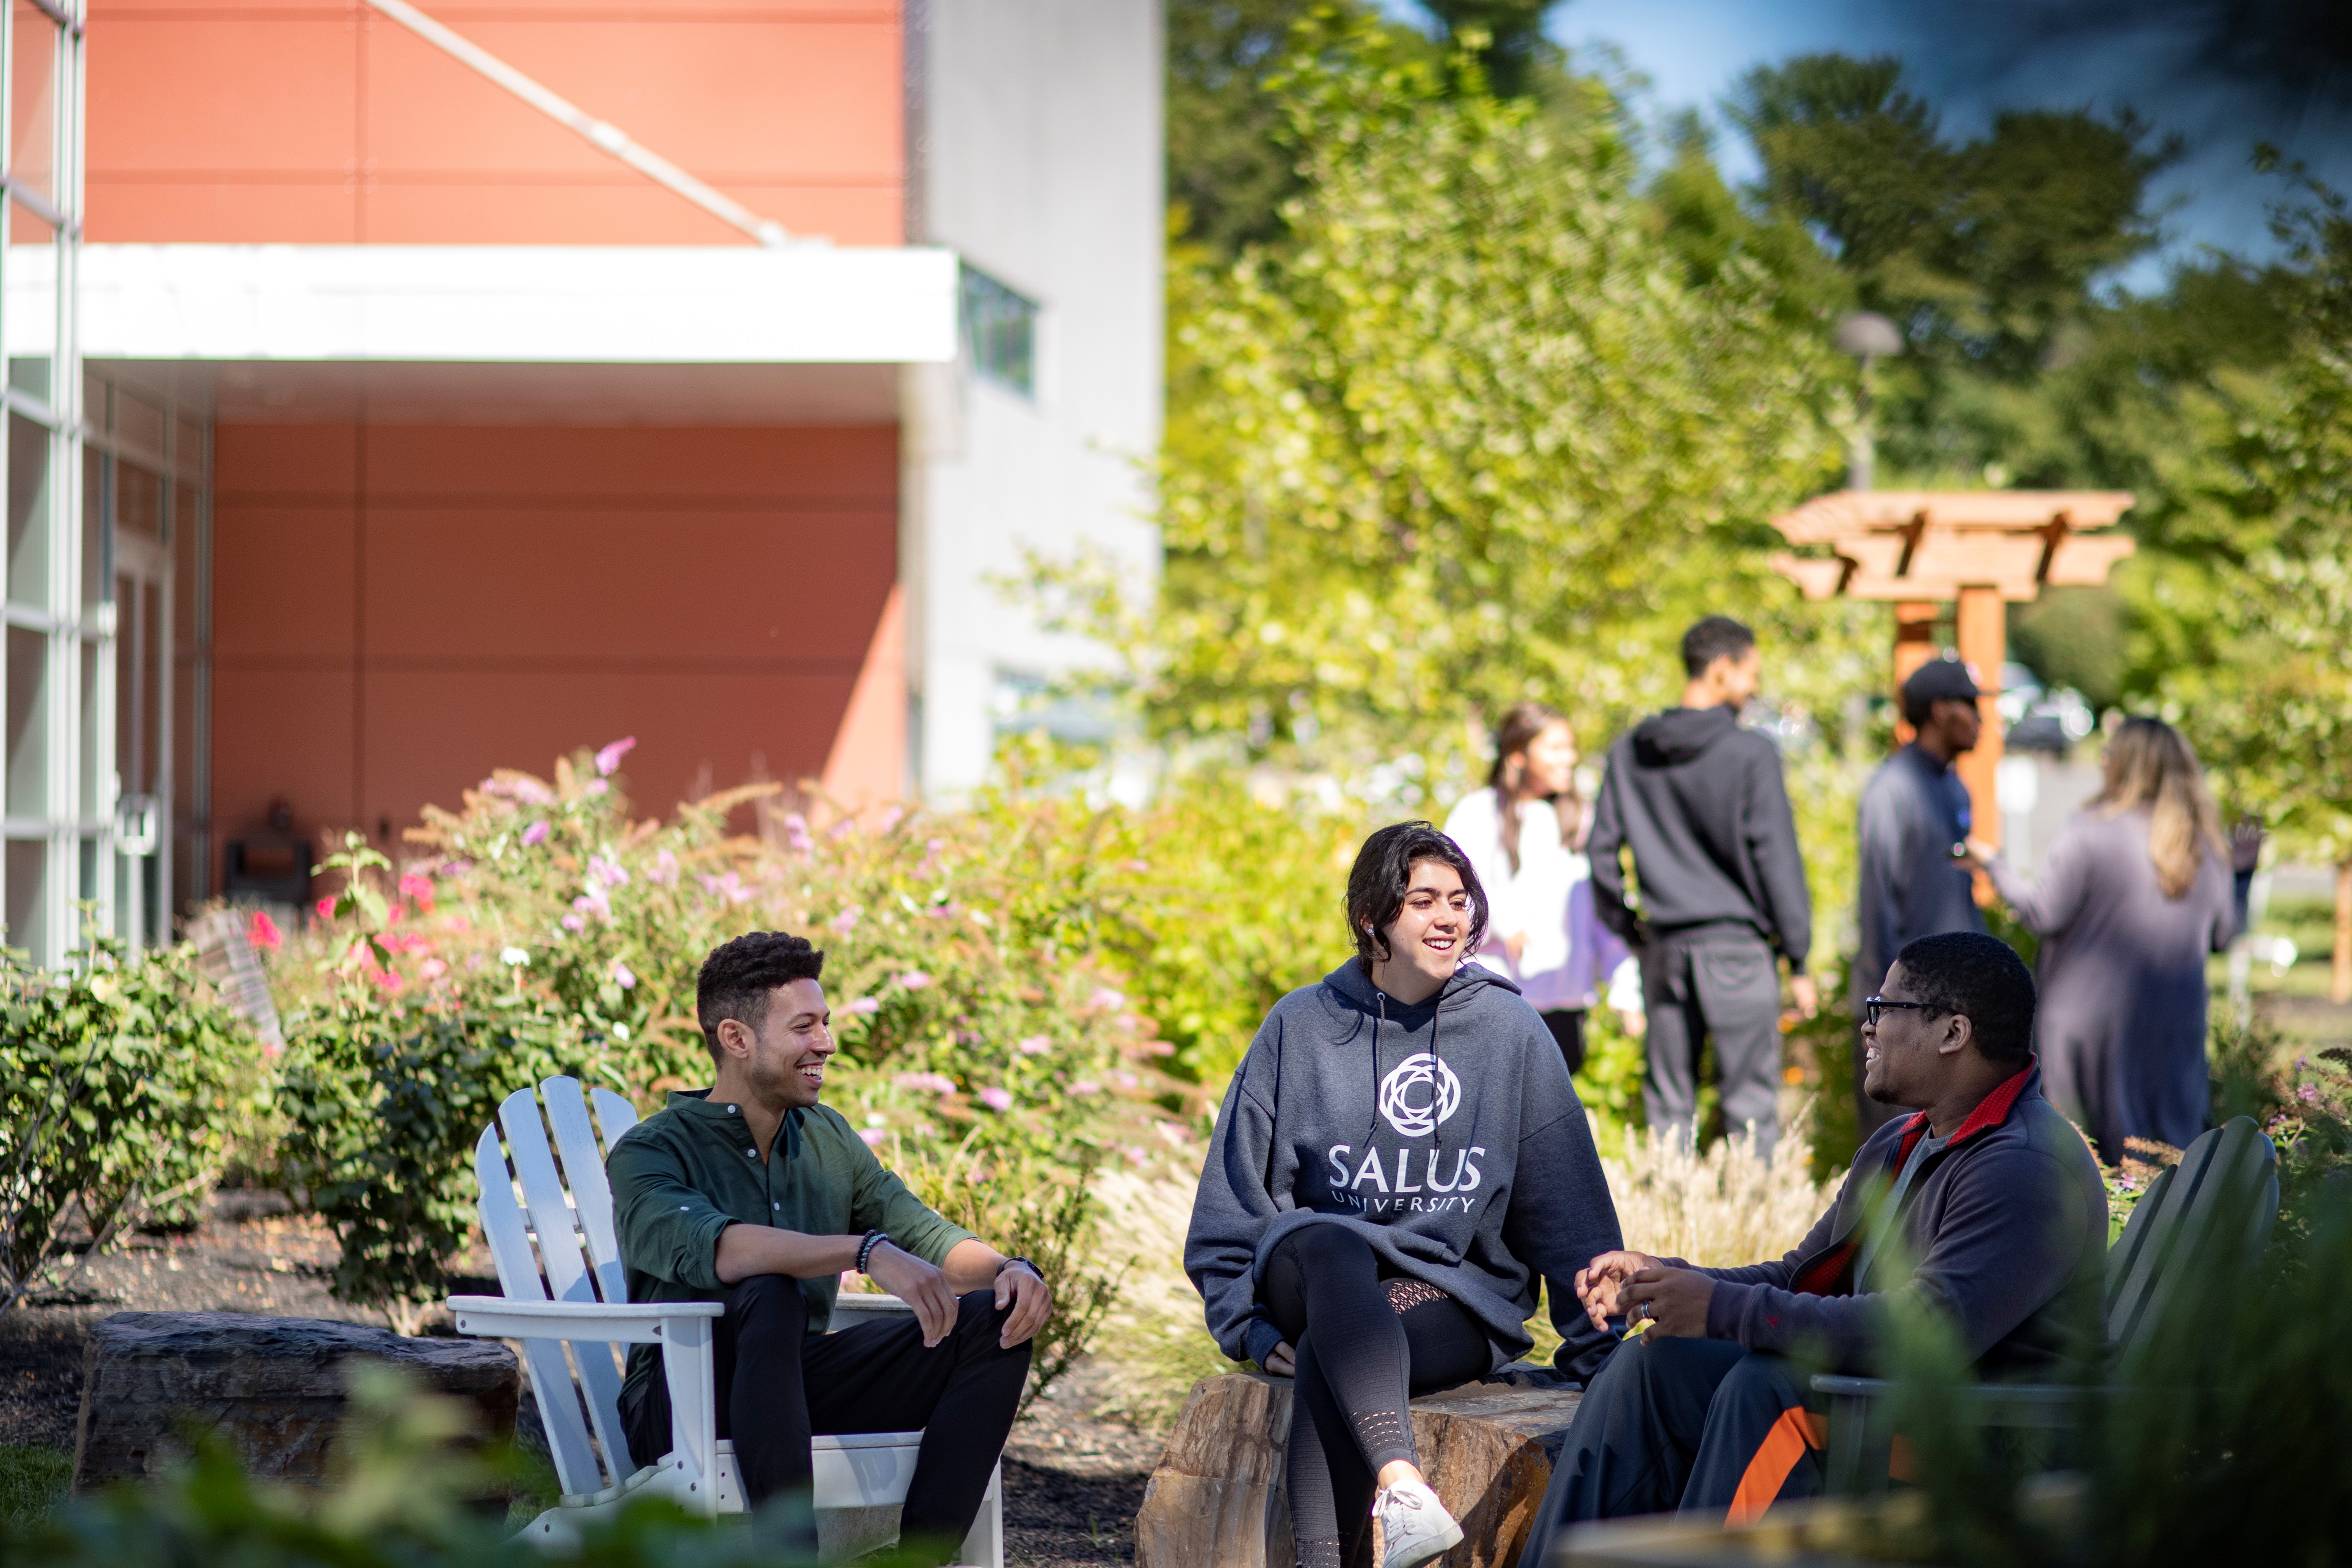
690,1170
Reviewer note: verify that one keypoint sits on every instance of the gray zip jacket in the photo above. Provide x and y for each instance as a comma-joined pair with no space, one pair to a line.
1447,1135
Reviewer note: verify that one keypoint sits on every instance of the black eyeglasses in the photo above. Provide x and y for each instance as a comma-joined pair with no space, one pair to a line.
1871,1006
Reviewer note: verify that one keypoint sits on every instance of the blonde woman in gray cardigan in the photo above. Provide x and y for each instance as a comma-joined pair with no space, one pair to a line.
2138,891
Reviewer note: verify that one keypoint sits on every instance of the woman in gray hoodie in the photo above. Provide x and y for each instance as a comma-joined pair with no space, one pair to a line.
1399,1162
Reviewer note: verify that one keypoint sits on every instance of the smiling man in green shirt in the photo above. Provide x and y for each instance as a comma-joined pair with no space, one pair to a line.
752,1194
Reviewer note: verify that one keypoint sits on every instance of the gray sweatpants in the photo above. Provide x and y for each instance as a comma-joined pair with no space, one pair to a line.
1727,984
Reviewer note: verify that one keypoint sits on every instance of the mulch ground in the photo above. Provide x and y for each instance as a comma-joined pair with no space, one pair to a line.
1072,1484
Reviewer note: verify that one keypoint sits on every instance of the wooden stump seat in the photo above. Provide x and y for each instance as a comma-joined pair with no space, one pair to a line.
1219,1496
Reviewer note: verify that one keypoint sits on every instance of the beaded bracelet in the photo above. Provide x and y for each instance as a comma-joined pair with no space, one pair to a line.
873,1238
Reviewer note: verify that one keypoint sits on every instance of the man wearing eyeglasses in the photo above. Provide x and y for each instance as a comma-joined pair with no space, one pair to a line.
1989,1208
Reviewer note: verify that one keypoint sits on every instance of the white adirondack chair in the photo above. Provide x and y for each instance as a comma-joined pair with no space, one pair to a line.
591,1313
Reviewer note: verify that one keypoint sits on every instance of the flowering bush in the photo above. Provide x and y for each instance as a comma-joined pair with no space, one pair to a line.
986,1045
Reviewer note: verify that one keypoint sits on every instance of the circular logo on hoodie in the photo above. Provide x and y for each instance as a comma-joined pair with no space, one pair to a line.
1418,1092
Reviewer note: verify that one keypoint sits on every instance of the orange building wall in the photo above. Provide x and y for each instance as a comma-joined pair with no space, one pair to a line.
255,121
398,610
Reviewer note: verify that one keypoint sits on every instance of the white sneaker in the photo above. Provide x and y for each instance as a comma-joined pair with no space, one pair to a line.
1414,1526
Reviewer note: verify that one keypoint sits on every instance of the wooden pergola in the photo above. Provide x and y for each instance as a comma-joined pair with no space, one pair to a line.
1980,550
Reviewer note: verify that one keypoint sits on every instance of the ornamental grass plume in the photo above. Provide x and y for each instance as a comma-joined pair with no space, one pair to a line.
1154,1345
1721,1207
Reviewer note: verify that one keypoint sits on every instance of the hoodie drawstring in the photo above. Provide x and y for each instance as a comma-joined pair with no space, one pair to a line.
1437,1051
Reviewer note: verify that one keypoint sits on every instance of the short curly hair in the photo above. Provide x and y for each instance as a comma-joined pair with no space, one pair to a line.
1383,874
1981,978
740,979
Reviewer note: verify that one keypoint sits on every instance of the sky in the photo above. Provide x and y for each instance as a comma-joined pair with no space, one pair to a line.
2224,74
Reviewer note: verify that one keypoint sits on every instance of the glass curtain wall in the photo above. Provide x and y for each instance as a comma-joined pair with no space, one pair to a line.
59,819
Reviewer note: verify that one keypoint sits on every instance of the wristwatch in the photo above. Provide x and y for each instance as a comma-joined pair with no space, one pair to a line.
1025,1264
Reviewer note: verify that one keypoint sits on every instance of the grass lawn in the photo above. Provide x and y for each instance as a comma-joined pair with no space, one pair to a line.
33,1481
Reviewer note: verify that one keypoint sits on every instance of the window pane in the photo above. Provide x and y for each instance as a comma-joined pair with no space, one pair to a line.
149,772
27,873
32,315
126,687
999,329
139,423
188,446
138,501
28,513
188,629
96,556
94,793
33,100
28,720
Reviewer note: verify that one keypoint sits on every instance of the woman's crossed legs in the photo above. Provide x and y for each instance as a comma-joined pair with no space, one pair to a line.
1363,1347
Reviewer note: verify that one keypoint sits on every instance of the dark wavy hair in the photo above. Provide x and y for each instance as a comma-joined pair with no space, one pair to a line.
740,979
1383,873
1969,974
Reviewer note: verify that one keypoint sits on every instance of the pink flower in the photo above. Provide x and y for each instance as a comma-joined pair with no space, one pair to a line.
610,757
412,886
572,922
593,901
536,833
594,787
1085,1085
1125,1080
1033,1046
608,873
874,1136
1105,996
665,869
862,1005
914,980
2307,1094
844,922
996,1098
432,969
730,887
326,909
890,818
527,790
262,931
796,832
624,976
935,1083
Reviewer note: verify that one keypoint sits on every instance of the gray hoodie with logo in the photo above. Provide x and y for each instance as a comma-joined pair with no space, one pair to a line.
1447,1135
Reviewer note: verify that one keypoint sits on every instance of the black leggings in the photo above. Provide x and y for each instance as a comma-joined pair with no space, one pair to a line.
1364,1346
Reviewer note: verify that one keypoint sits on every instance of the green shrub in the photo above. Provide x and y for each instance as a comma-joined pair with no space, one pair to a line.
119,1082
970,962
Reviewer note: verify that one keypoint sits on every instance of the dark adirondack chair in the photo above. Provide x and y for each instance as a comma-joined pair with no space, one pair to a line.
2213,1210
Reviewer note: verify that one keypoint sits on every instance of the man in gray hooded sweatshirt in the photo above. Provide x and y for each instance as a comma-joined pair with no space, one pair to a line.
1399,1162
1701,804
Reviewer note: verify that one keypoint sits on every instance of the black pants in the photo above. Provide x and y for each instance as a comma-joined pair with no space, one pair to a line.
1364,1347
1567,1026
778,1384
1696,1426
1721,983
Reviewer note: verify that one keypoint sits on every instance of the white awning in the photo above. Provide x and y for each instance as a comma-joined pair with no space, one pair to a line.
483,304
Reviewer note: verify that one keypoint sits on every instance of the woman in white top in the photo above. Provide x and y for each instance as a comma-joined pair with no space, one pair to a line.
1524,833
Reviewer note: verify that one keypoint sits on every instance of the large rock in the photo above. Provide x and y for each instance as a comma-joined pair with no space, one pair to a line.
1219,1495
275,1388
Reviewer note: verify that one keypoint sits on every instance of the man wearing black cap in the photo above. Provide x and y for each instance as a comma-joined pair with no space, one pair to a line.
1915,810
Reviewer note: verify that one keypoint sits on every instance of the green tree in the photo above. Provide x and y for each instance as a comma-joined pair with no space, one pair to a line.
1472,433
2274,706
1506,37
